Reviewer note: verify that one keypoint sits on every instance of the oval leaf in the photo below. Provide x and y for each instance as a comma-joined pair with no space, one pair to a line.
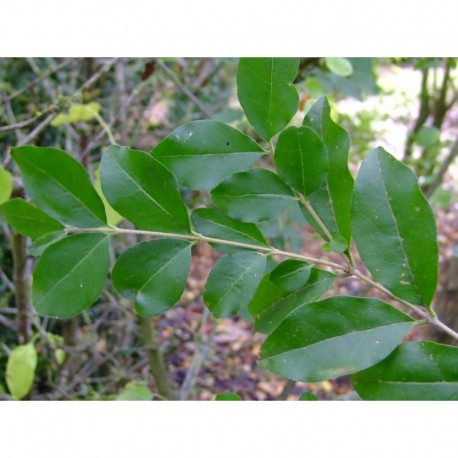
27,219
70,275
266,92
334,337
253,196
271,306
233,282
291,275
60,186
394,228
301,159
213,223
339,66
332,200
415,371
6,185
153,274
202,153
20,370
142,190
307,396
228,396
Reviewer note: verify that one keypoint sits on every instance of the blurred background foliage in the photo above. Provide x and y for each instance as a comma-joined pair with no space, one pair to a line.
407,105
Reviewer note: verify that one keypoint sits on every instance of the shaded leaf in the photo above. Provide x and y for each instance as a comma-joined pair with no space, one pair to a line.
27,219
307,396
420,371
334,337
253,196
134,391
266,92
394,228
39,245
233,282
60,186
70,275
291,275
142,190
153,274
20,370
301,159
339,66
202,153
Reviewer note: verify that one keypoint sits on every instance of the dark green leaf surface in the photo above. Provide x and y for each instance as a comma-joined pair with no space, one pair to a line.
334,337
253,196
301,159
273,305
228,396
202,153
291,275
233,282
39,245
394,228
60,186
266,92
422,371
27,219
70,275
153,274
142,190
213,223
332,200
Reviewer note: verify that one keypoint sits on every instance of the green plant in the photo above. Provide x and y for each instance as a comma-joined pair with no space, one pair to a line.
309,339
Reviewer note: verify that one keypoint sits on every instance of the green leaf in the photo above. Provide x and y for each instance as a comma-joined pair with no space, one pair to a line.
307,396
339,66
334,337
291,275
213,223
338,244
420,371
253,196
70,275
27,219
20,370
314,88
394,228
142,190
233,282
77,113
228,396
428,137
202,153
301,159
153,274
113,217
39,245
273,306
266,92
6,184
60,186
135,391
332,200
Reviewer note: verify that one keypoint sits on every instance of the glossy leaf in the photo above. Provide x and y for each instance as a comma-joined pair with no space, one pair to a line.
233,282
271,306
291,275
420,371
253,196
39,245
153,274
70,275
213,223
60,186
266,92
301,159
394,228
332,200
228,396
334,337
142,190
27,219
202,153
6,185
339,66
20,370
